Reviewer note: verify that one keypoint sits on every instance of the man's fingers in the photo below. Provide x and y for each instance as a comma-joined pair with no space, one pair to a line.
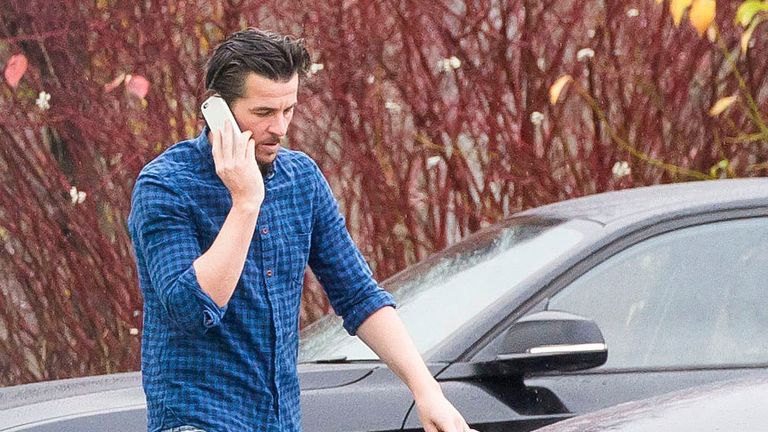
250,150
244,144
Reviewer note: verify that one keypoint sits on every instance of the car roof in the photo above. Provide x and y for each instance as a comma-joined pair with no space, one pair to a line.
659,199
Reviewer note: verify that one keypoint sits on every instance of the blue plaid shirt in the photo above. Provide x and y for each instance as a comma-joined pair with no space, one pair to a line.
234,368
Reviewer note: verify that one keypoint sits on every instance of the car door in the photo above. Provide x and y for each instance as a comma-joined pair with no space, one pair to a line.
681,308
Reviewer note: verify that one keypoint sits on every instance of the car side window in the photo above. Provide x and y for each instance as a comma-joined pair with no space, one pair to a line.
694,297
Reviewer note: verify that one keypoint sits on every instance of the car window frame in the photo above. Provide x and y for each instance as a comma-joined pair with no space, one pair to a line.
614,243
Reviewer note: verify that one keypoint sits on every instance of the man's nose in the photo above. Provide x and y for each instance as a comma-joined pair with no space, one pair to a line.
279,125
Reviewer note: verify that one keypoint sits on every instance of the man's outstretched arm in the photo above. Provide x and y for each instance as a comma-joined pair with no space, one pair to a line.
385,334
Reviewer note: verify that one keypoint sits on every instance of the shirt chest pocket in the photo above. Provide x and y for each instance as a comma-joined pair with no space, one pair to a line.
296,247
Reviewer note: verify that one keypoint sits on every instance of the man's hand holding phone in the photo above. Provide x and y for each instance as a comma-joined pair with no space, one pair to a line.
235,158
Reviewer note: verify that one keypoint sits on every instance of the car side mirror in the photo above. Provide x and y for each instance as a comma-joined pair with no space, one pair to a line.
552,341
540,342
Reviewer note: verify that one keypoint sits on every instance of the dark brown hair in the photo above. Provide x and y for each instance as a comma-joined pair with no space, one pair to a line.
267,54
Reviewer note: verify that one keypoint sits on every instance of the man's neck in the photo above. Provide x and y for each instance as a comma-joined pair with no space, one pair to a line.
266,168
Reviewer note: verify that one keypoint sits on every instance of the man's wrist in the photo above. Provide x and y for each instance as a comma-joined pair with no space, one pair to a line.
247,207
426,388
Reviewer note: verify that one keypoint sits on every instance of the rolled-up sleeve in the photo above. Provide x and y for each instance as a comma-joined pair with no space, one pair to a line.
164,241
338,264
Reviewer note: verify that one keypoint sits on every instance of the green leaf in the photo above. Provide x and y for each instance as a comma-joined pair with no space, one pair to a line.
720,166
747,11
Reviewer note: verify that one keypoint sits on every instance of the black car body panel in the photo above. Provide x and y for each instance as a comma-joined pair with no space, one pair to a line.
725,406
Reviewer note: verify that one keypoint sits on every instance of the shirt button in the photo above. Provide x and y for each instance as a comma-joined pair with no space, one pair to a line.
269,273
265,230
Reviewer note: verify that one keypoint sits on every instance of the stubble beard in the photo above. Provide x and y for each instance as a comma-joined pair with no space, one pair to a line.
266,167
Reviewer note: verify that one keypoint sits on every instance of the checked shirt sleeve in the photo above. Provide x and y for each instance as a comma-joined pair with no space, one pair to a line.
339,265
165,242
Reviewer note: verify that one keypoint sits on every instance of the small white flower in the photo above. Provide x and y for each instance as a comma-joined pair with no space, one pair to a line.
448,64
315,68
77,196
42,100
585,53
537,118
541,63
432,161
371,79
136,313
392,106
591,33
633,13
133,331
621,169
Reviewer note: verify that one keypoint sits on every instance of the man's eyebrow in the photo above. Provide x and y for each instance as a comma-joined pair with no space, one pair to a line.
270,109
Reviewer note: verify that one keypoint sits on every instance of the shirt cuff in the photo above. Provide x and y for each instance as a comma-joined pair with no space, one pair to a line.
192,308
364,309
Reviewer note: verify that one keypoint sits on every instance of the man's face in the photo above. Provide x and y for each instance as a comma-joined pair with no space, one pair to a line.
266,109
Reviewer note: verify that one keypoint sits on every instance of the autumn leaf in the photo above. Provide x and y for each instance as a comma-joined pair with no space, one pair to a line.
15,69
721,105
677,8
558,87
747,11
747,35
114,83
137,85
702,14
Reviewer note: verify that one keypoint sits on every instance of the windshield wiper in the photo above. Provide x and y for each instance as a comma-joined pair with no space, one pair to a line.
340,360
337,359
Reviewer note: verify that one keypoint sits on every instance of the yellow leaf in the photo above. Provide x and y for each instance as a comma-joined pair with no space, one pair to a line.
659,1
677,8
721,105
747,35
702,14
557,88
712,34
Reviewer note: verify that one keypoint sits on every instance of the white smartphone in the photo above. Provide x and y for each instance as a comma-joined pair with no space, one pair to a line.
216,113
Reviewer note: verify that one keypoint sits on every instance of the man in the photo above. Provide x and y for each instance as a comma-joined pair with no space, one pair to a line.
223,227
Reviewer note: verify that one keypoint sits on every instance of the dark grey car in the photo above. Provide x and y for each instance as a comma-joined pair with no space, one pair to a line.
738,405
514,320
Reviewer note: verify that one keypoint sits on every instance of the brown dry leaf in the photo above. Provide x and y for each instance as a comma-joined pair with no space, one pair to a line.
702,15
722,104
677,8
557,88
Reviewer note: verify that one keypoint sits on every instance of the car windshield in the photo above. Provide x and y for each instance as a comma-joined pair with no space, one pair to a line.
439,295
